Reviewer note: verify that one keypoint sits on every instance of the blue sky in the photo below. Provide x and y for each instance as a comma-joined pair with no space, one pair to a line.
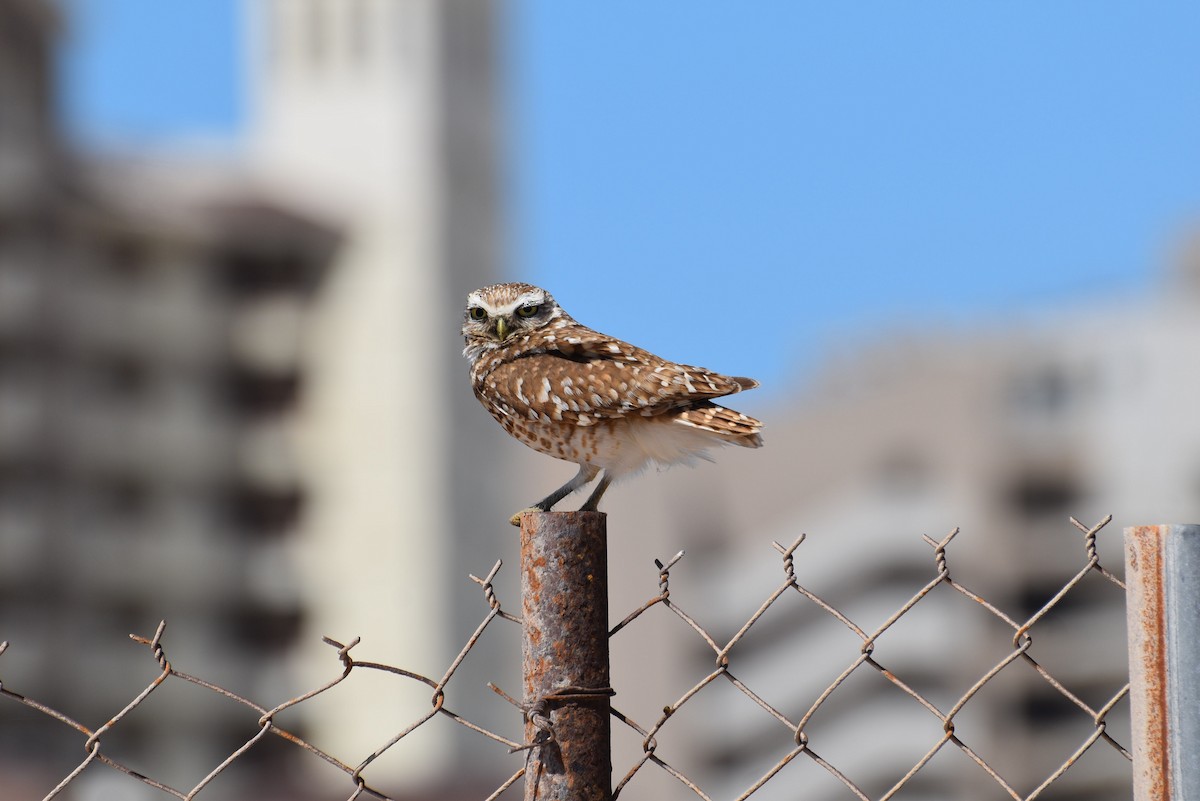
775,172
144,70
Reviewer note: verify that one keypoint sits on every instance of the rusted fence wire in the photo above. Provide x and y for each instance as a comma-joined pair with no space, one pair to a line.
92,745
792,723
796,725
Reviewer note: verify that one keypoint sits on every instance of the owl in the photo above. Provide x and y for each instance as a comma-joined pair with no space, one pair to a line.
578,395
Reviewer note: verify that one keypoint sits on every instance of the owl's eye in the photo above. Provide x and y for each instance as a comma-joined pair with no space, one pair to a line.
529,311
477,313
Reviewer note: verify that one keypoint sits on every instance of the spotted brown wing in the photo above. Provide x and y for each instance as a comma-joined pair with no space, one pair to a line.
583,383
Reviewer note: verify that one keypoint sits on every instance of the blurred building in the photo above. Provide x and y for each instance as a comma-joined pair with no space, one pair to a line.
151,362
230,393
383,116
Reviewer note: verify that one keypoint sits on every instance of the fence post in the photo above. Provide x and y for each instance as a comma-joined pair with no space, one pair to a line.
1162,571
564,648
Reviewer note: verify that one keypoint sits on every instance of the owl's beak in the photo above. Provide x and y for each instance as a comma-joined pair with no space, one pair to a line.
502,329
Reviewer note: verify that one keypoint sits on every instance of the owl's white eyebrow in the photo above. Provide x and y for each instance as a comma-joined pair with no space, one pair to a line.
524,300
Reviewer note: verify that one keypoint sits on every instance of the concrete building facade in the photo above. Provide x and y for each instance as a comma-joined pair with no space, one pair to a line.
151,363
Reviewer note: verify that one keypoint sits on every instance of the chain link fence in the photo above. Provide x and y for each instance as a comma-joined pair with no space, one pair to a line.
793,735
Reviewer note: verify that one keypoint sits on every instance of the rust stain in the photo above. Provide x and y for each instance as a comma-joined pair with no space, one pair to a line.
1147,635
566,645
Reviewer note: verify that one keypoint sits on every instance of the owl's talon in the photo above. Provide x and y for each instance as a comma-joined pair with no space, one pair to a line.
515,520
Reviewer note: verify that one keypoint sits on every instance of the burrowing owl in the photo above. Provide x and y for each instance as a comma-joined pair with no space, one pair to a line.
579,395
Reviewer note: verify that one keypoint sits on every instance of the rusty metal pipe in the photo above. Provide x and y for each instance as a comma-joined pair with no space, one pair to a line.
564,646
1162,571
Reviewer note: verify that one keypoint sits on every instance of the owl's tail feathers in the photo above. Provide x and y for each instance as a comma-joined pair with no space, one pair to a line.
744,383
725,424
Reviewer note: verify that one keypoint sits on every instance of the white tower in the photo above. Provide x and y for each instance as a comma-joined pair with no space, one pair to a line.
348,114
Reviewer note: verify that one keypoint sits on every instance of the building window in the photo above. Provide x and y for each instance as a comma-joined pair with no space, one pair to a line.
23,484
902,473
124,498
1037,496
265,511
115,377
252,274
1050,391
127,259
257,393
1045,707
265,629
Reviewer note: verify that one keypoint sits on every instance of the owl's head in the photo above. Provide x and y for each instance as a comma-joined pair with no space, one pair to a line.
500,312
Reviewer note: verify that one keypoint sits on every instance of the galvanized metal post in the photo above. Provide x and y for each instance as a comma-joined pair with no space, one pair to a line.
564,597
1162,571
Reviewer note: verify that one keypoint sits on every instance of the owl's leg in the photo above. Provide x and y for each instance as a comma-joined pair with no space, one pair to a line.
594,499
586,473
